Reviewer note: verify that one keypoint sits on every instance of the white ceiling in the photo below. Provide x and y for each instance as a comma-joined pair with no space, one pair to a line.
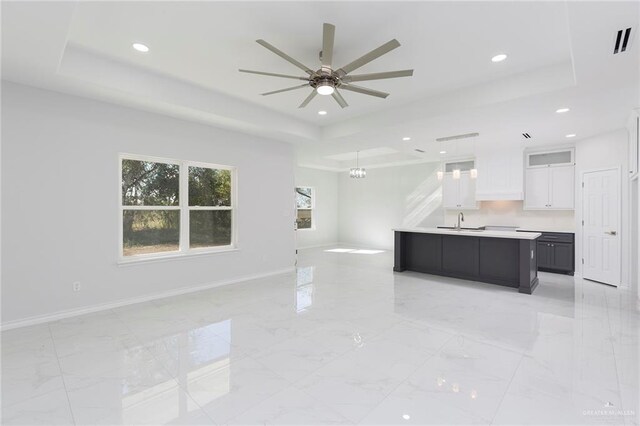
560,54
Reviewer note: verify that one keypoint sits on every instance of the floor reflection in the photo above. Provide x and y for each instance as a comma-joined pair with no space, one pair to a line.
304,289
200,359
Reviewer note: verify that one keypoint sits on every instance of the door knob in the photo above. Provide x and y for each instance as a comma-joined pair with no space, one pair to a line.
611,233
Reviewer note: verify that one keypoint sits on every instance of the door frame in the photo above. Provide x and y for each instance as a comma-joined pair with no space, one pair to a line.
618,170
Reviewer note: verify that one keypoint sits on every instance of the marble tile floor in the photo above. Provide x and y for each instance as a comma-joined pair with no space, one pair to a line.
342,341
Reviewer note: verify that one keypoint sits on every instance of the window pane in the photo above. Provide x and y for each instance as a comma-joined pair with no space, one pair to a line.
303,198
304,219
550,158
209,187
463,166
150,231
209,228
145,183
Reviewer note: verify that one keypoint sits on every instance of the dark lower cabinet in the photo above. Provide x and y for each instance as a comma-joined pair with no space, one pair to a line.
499,260
423,252
544,255
508,262
461,255
556,253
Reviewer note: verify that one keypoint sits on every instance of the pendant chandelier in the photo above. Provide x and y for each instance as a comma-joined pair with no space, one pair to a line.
357,172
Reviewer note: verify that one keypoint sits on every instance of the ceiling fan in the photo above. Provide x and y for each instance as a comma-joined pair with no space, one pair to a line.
327,80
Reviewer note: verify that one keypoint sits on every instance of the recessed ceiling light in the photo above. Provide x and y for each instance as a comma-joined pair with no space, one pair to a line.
322,112
140,47
443,152
406,138
406,416
561,110
499,58
570,135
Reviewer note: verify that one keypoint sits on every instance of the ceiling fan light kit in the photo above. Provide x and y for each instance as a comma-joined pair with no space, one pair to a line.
327,80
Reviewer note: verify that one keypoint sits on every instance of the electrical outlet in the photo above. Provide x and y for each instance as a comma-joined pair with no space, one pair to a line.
77,286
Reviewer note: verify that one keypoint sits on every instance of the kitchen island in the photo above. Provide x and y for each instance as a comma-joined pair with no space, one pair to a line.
497,257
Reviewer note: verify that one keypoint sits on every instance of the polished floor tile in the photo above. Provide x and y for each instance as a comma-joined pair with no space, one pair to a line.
344,340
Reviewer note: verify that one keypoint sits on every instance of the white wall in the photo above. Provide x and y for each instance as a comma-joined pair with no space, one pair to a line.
511,213
60,202
388,198
605,151
325,213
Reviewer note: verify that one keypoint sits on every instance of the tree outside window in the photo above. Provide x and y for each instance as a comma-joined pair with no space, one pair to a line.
174,206
305,205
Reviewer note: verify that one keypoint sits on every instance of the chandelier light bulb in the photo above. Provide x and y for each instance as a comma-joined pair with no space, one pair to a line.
357,172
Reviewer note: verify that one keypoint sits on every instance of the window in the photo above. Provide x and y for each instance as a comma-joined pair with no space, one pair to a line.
174,207
304,205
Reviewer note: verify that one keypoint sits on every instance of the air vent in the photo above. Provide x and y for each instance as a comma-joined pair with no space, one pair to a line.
454,137
526,135
622,40
419,150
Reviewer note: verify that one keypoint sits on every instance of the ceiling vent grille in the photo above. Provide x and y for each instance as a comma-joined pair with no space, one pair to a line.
526,135
622,40
454,137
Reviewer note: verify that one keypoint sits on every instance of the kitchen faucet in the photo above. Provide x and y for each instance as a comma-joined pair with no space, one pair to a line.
460,218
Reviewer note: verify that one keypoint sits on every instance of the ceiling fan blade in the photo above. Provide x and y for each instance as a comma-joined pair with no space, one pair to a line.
377,76
374,54
308,98
363,90
328,36
285,56
271,74
339,99
285,90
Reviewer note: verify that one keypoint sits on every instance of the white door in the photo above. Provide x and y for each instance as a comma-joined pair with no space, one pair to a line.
467,191
601,229
562,187
450,192
536,195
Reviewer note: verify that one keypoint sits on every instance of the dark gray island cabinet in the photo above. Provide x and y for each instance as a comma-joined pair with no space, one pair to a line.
497,257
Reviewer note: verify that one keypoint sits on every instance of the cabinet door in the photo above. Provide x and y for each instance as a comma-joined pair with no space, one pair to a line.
537,188
562,187
562,256
544,255
450,192
466,191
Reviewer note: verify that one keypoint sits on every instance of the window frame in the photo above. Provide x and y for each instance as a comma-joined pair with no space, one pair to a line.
312,209
183,207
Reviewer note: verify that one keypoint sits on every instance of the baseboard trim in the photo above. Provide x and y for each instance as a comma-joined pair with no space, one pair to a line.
365,246
318,246
40,319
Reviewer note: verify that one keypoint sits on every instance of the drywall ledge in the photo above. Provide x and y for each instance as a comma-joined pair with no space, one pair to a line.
40,319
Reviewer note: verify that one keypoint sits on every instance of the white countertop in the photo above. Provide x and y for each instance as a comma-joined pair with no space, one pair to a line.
466,233
545,229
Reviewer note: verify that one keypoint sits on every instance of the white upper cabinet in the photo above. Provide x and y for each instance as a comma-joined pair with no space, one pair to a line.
550,181
467,191
459,193
500,175
562,187
537,189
